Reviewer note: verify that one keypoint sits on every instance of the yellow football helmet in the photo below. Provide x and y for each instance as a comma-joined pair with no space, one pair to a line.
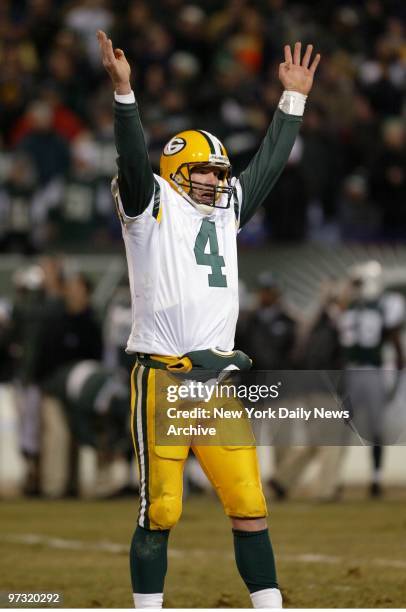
193,149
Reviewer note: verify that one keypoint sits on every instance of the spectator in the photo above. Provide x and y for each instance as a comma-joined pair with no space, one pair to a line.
71,335
64,122
27,316
287,208
42,25
48,152
321,149
16,197
78,217
85,18
359,218
268,335
388,180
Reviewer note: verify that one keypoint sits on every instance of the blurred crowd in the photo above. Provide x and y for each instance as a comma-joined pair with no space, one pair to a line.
210,65
64,384
65,380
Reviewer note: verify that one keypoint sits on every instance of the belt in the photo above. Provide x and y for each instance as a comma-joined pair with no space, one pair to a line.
166,362
208,359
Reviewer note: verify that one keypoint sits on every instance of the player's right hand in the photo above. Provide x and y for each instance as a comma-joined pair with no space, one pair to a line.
115,63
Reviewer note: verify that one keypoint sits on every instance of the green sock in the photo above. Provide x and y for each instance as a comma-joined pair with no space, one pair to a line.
148,560
255,560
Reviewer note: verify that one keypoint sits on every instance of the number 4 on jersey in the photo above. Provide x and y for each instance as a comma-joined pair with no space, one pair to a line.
207,234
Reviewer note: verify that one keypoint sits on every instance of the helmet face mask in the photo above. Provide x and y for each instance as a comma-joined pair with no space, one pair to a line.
197,152
195,189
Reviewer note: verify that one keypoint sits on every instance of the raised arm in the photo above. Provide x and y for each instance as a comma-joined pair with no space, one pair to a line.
266,166
135,177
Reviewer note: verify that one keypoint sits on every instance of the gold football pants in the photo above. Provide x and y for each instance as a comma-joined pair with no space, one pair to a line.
232,470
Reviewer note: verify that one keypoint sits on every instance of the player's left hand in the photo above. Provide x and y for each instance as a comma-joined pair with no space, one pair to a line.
295,73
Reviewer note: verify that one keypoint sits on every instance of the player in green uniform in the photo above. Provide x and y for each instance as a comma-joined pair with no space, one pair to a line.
371,319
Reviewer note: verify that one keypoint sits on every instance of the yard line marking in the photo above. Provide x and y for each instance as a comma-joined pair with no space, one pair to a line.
314,558
35,539
311,558
394,563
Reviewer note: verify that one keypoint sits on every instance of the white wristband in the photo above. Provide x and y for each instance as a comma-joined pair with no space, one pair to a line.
292,103
125,98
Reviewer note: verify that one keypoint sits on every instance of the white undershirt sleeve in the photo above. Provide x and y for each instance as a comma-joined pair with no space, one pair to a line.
292,103
125,98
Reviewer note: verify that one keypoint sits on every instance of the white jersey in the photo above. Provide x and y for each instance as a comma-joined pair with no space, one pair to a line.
183,275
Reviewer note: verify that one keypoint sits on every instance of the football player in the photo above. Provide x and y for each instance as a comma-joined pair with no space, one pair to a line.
372,318
179,230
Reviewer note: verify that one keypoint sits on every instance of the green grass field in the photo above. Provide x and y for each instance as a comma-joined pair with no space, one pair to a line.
351,554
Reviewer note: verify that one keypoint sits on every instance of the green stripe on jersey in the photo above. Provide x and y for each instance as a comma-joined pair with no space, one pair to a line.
157,198
236,205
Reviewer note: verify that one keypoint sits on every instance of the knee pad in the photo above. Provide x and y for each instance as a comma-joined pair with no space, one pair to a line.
245,502
165,512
